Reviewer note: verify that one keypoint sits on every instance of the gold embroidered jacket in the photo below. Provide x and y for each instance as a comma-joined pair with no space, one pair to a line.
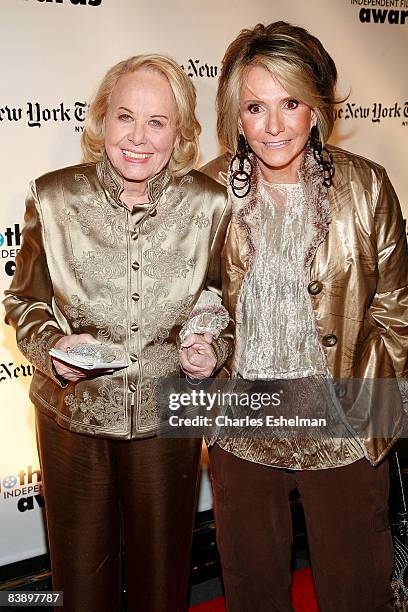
357,262
131,279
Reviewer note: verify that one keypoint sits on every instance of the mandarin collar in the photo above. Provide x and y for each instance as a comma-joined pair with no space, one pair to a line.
112,182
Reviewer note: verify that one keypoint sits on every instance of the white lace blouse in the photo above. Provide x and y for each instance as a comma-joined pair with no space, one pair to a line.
279,338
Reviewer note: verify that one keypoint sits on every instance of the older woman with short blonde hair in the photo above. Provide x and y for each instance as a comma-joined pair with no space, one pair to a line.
116,253
186,152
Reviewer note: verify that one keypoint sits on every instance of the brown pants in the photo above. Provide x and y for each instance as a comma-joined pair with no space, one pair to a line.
346,517
91,487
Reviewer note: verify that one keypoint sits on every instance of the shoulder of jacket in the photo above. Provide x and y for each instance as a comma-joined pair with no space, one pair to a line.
217,168
341,157
207,183
63,174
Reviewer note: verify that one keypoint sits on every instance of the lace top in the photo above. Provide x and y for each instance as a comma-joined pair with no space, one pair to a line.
279,339
281,342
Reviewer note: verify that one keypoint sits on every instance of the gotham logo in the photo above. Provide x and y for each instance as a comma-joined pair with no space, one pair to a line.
10,240
24,487
383,11
375,113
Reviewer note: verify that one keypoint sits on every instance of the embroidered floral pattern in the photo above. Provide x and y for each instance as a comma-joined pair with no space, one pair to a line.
36,349
173,214
109,178
93,210
100,265
161,264
159,316
147,416
201,220
160,360
108,317
105,409
83,181
157,184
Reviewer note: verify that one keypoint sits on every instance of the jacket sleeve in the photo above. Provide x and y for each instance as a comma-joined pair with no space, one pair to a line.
29,300
389,307
209,315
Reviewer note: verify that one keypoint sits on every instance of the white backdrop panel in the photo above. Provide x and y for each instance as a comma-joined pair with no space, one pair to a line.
54,52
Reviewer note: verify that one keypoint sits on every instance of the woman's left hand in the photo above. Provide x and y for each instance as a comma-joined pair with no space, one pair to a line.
70,372
197,358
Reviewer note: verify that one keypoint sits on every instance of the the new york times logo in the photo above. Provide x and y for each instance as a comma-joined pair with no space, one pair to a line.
376,112
35,114
384,11
83,2
11,371
197,68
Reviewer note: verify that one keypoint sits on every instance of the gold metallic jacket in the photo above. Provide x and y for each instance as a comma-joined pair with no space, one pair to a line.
357,263
131,279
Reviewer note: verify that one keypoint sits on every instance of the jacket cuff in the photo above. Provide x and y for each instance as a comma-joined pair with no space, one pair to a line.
36,350
208,316
208,319
222,350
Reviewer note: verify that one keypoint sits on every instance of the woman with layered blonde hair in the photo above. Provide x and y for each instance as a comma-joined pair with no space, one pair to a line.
315,277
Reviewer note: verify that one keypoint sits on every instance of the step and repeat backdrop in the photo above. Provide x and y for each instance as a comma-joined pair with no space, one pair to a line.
54,53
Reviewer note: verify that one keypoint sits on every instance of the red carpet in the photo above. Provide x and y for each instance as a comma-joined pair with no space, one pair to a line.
303,595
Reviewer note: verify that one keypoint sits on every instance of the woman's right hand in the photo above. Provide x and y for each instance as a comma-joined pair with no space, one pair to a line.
69,372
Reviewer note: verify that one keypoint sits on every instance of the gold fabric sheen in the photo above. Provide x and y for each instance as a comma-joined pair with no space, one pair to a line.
131,279
358,256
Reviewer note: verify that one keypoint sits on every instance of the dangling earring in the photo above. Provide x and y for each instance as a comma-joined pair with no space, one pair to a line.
241,169
325,165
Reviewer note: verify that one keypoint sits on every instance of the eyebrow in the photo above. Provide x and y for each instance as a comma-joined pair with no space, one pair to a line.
131,112
258,100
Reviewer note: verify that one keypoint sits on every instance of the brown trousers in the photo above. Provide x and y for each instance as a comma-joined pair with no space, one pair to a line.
346,517
93,487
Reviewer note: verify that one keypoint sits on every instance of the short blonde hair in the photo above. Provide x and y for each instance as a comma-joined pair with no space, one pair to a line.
185,154
295,58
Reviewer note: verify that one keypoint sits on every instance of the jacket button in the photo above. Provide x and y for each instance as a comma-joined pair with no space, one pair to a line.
315,287
340,390
135,297
134,235
135,265
132,387
153,212
133,358
329,340
134,327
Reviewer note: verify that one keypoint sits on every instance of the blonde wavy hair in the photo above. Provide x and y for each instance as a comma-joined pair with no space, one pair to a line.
185,154
295,58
